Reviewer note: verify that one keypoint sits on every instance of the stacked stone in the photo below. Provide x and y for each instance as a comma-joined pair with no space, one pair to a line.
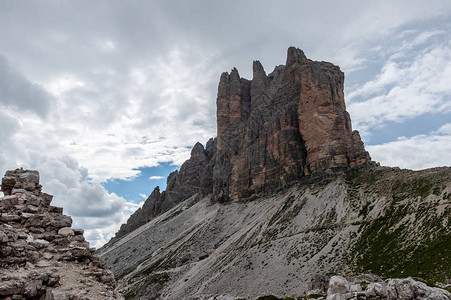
37,242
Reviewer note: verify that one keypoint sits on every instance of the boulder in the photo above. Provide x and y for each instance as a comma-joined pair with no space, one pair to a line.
62,221
338,285
66,231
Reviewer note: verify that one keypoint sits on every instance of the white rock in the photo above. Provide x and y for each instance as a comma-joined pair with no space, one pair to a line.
376,289
66,231
355,288
339,296
39,243
338,285
408,288
43,263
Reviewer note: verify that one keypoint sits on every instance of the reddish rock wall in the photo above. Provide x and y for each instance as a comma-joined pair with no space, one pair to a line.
278,128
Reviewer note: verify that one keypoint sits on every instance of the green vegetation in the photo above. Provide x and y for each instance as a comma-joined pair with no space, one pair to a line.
163,263
313,296
149,285
366,209
124,273
420,187
389,253
290,215
396,246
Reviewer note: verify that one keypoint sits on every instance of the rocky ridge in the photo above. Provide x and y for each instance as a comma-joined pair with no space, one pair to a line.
41,256
272,131
193,178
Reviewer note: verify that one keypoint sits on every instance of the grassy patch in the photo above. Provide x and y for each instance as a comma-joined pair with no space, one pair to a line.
420,187
150,286
124,273
389,253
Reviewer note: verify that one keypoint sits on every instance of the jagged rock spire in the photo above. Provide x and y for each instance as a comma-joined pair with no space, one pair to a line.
296,126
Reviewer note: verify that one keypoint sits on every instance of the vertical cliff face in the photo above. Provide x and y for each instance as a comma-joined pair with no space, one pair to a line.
281,127
273,130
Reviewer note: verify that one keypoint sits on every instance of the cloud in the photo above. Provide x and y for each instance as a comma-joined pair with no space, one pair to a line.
444,129
90,205
418,152
405,89
156,177
18,92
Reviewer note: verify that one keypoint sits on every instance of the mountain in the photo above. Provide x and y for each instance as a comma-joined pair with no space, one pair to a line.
273,131
285,197
277,129
386,221
41,256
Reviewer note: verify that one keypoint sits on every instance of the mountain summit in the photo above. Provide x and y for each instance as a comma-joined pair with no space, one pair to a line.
278,128
272,131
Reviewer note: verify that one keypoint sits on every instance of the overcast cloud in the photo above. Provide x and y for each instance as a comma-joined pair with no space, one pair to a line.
95,90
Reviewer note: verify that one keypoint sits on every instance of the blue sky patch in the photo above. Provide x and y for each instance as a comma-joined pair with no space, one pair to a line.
133,190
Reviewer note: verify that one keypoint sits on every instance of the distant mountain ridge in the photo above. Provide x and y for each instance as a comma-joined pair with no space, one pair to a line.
273,131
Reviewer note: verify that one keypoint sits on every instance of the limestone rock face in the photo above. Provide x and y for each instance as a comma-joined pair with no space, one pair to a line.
276,129
192,178
41,256
273,131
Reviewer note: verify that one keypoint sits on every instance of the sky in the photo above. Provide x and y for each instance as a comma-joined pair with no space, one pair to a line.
106,98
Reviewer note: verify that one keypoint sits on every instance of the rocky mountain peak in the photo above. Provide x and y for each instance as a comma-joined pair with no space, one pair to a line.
295,56
283,127
197,150
272,131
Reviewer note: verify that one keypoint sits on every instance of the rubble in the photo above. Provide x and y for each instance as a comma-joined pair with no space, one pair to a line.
41,256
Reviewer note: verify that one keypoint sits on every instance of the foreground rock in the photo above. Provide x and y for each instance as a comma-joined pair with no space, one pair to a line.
41,256
361,287
341,288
